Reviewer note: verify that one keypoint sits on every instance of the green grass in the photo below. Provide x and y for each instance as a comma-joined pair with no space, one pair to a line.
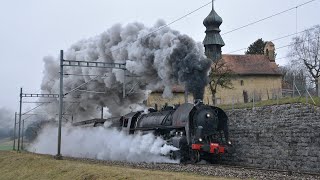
286,100
31,166
5,148
6,144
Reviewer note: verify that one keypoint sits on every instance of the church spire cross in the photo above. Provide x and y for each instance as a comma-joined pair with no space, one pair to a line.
212,4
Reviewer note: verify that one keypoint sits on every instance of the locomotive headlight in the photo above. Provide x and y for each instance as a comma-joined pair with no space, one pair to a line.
229,142
208,115
200,139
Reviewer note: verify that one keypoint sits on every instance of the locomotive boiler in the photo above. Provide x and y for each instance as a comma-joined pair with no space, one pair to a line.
199,131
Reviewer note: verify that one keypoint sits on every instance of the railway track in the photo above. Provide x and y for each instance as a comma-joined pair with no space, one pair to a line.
218,170
289,172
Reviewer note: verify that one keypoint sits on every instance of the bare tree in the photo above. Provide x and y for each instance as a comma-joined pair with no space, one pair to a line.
220,76
292,77
305,53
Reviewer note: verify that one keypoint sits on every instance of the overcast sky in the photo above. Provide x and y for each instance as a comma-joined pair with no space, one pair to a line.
32,29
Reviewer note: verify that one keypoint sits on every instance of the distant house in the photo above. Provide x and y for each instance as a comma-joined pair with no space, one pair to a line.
256,77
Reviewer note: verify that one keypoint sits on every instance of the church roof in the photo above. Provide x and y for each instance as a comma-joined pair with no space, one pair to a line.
251,65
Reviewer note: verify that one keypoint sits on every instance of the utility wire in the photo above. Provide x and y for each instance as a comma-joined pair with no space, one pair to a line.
291,45
228,32
276,39
285,57
162,27
36,107
273,15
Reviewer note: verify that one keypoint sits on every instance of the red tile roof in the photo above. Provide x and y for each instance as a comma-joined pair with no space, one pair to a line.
251,65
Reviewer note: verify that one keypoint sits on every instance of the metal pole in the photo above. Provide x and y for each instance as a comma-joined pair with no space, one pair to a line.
59,156
278,97
14,131
310,96
318,79
232,103
186,95
293,85
101,112
253,101
307,98
20,119
124,84
22,132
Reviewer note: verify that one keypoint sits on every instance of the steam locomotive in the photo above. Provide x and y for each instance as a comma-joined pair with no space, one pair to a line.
199,131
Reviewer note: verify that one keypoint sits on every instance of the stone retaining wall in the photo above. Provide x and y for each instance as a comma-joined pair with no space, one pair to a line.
276,137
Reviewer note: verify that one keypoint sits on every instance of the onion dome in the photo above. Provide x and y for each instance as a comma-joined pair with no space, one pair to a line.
213,40
213,20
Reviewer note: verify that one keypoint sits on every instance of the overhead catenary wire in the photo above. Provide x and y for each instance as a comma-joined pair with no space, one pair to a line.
228,32
89,75
162,27
275,39
35,107
268,17
292,45
43,103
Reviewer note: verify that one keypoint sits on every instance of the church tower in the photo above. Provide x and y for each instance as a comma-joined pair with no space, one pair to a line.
213,40
269,51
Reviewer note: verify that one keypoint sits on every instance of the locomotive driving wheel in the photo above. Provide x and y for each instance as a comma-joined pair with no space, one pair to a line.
194,156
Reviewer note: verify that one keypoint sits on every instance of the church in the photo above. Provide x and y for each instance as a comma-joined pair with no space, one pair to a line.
256,77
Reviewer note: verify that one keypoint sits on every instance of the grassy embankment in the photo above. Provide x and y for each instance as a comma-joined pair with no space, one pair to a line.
26,166
6,144
286,100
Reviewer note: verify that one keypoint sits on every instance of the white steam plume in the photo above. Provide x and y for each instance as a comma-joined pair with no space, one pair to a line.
160,60
103,143
6,122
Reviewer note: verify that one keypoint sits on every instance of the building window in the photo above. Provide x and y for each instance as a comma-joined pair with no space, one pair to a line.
241,82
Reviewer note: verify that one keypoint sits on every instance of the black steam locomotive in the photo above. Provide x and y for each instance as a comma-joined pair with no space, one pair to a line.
199,131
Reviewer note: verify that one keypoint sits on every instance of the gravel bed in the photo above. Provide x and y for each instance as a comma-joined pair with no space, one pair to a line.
208,170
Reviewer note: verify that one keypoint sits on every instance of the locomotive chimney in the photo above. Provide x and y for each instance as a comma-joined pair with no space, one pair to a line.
198,101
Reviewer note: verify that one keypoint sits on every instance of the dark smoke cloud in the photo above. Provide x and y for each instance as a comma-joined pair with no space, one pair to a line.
190,68
163,59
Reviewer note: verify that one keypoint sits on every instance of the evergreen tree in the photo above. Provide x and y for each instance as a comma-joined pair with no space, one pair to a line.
257,47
